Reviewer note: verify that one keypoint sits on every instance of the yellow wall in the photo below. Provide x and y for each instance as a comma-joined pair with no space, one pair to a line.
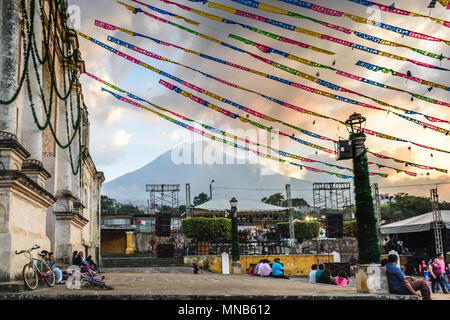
294,265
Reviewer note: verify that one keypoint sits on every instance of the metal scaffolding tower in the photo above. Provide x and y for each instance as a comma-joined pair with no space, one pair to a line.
333,201
437,224
163,196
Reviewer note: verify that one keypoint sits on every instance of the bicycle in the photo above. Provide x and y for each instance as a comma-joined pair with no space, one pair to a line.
92,282
32,273
78,278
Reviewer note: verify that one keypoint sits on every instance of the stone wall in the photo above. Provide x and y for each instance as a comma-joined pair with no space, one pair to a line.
346,247
143,242
24,226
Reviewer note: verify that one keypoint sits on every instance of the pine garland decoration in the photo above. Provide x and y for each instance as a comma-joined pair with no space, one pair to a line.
366,223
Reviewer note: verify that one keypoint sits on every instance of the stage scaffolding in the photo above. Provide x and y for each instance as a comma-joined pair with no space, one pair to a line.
164,210
333,205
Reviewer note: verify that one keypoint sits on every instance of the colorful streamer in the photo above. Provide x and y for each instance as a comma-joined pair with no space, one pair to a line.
376,68
298,43
290,27
267,49
260,115
263,48
291,83
168,85
337,13
401,12
209,105
271,9
235,145
149,67
445,3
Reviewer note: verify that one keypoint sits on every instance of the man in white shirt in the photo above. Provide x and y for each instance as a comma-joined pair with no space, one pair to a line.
312,273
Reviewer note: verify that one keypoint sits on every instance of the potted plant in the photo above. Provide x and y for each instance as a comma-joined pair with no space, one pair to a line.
203,230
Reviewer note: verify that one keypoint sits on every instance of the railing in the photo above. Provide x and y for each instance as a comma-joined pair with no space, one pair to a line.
271,247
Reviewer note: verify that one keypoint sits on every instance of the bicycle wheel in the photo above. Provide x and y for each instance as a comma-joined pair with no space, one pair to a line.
30,276
49,275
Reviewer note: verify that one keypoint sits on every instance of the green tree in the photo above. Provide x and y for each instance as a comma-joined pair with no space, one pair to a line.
182,209
108,205
402,206
200,198
111,206
296,202
128,208
275,199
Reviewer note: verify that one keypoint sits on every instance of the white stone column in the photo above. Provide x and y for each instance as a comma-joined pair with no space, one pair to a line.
9,43
64,175
31,135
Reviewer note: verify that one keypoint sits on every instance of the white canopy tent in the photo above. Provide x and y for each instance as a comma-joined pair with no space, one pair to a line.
243,205
415,224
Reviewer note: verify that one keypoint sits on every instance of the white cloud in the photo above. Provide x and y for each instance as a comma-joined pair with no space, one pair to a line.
121,139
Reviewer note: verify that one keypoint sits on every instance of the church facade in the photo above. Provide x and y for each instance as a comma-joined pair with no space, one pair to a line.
49,185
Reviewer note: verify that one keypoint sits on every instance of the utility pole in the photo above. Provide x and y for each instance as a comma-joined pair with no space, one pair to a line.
210,190
188,200
291,217
437,224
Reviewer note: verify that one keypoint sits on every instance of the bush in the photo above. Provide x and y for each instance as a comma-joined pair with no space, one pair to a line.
206,229
303,230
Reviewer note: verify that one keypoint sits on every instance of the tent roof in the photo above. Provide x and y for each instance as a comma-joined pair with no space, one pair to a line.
243,205
415,224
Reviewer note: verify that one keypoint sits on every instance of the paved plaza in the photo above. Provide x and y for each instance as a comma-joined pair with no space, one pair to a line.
188,286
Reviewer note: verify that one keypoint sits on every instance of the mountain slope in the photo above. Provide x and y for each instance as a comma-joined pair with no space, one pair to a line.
235,177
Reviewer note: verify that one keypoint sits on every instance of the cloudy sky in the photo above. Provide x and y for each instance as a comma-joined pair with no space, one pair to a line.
124,138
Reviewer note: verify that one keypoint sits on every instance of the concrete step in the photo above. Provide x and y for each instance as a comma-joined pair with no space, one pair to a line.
133,261
12,286
107,270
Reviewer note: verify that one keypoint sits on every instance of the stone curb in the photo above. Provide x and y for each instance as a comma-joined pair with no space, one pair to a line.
355,297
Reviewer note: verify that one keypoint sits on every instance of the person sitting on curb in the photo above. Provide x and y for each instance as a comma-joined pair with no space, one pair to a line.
312,273
264,269
57,271
325,277
92,265
256,273
79,261
278,270
341,279
74,258
319,272
399,284
196,269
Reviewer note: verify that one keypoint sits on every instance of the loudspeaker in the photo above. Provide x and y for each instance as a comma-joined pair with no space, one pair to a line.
335,224
162,224
344,150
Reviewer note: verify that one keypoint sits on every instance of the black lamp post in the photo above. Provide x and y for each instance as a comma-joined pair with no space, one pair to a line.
234,231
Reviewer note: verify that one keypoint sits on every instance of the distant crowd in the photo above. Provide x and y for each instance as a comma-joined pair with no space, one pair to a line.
319,274
266,269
